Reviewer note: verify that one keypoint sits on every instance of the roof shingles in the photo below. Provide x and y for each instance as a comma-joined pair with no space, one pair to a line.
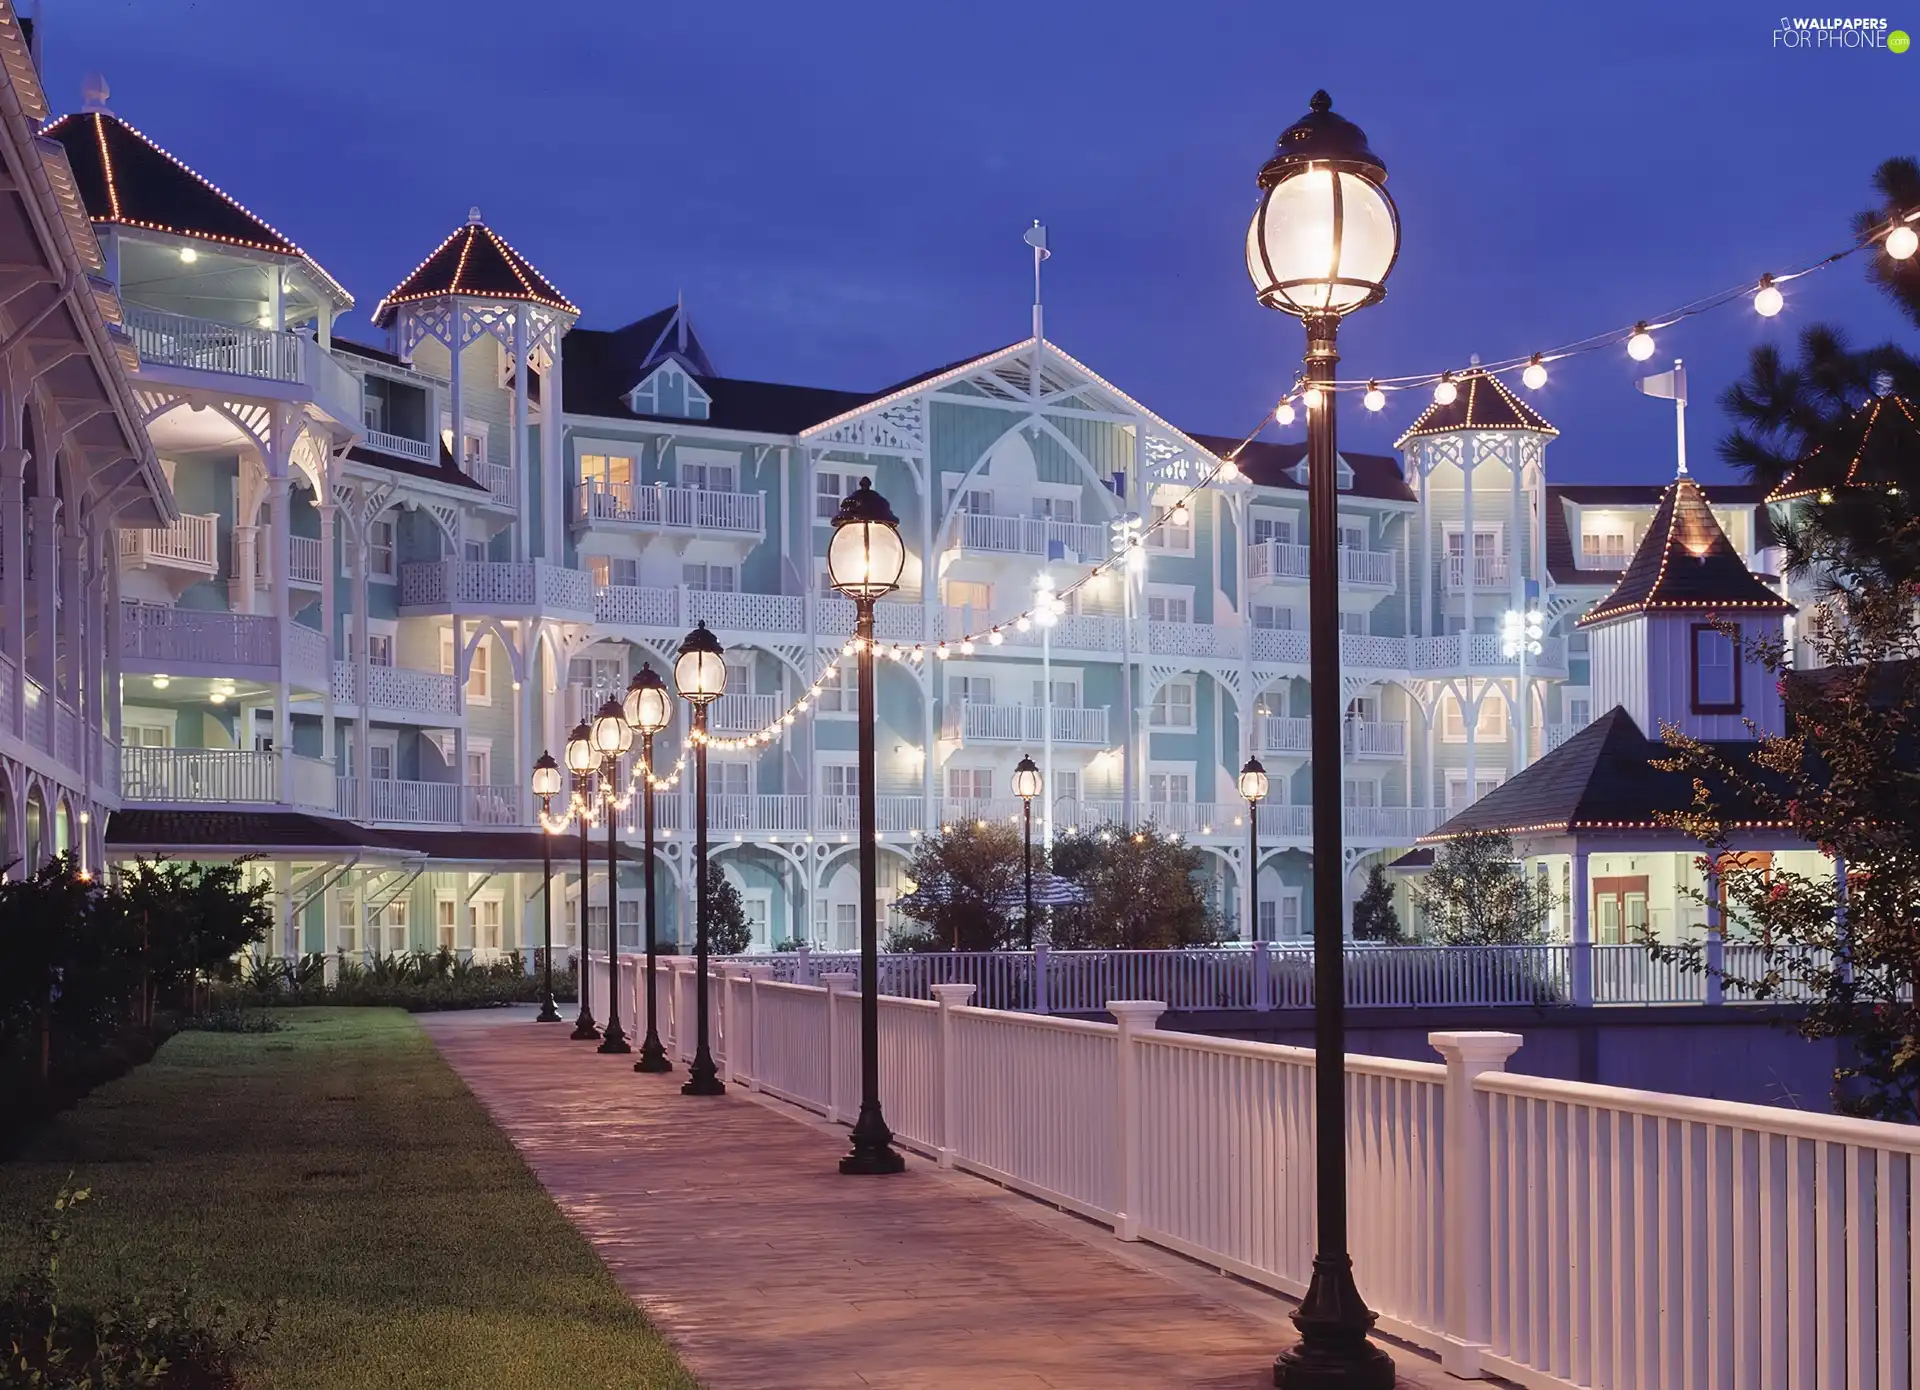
1480,402
1685,561
475,260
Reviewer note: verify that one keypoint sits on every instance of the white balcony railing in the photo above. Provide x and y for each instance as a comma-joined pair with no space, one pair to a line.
893,815
1282,733
681,508
264,354
399,689
491,805
199,775
743,713
1374,738
781,811
1488,571
155,632
447,585
1479,650
498,479
416,449
1025,535
1283,561
1593,559
192,543
978,722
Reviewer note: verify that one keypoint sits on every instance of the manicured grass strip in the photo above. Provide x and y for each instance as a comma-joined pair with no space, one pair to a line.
342,1167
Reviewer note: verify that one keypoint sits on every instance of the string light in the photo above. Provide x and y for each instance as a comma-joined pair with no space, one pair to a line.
1312,397
1375,399
1640,345
1283,413
1767,300
1444,391
1903,241
1535,376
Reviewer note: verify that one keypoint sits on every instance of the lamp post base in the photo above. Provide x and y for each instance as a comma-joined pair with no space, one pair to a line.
703,1078
653,1057
615,1039
873,1152
548,1014
1333,1352
585,1029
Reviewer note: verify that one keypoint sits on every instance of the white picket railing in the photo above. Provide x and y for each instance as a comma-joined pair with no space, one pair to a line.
1488,571
1555,1233
652,504
756,811
199,775
1278,560
893,815
1026,724
744,713
207,345
1281,733
190,543
416,449
1024,535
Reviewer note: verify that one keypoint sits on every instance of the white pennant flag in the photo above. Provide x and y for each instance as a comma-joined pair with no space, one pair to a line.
1672,386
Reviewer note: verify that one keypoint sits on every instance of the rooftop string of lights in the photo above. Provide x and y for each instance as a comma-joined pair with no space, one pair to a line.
1896,236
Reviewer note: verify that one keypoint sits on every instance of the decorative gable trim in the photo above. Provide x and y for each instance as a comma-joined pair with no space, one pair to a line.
670,390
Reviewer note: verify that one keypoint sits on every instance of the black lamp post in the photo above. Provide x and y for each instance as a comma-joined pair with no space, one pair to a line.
700,674
546,785
612,738
1253,786
1026,786
1321,245
648,711
864,559
580,764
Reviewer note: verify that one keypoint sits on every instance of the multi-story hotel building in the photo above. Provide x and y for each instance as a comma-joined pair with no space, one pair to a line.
399,571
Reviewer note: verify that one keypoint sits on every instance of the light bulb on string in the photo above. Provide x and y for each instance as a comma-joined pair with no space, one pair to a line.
1535,376
994,638
1767,300
1640,344
1444,391
1180,512
1375,399
1229,471
942,652
1902,242
966,647
1023,623
1312,397
1283,413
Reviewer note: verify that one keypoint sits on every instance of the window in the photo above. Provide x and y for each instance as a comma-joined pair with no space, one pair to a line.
970,783
837,692
1272,528
976,501
1174,535
1490,725
708,477
1066,694
828,489
740,675
730,778
380,762
1604,549
1354,623
1716,670
1362,793
716,579
1269,918
373,410
480,673
1457,799
475,552
600,672
1066,786
630,926
485,921
472,452
1271,618
968,593
1170,788
606,471
1172,706
976,689
148,735
443,923
757,909
846,925
607,569
1580,713
1353,535
479,767
1169,608
349,924
1064,509
1290,915
839,779
379,649
387,928
380,550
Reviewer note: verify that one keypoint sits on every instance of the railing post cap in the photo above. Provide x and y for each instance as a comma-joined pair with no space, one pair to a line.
1140,1013
759,972
950,996
1476,1048
839,981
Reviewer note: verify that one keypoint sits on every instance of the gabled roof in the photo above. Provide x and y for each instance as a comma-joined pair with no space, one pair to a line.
1873,449
1685,561
1271,465
1563,551
446,471
1603,778
1480,402
127,180
475,260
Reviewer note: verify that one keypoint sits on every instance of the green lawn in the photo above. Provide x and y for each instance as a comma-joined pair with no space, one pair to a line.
340,1166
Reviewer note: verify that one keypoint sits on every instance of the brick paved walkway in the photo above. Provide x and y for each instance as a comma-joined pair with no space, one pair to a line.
727,1222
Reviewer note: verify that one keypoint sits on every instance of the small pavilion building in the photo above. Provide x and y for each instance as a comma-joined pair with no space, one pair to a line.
1671,649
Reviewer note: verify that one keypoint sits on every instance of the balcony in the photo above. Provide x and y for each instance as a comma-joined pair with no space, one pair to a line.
1193,639
1374,738
975,722
419,450
393,801
1285,562
743,713
397,690
1358,650
1280,733
1482,651
304,566
775,811
218,776
191,544
157,634
678,609
1592,558
671,508
483,588
892,815
1488,572
1036,536
300,366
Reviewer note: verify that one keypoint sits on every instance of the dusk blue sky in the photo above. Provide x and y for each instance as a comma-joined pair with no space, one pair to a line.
839,189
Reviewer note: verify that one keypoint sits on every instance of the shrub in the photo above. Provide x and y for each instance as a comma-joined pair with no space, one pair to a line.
231,1018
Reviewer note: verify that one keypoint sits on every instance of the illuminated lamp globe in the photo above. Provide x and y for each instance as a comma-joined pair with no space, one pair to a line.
1375,399
1325,235
546,776
700,668
1311,397
1535,376
1026,779
1902,242
1640,344
1283,413
580,758
1253,781
612,735
648,708
866,555
1444,391
1767,300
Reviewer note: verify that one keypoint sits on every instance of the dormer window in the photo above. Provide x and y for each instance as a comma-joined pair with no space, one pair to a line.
1716,670
670,391
1344,476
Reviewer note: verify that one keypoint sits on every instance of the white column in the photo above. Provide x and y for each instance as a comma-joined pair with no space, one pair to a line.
522,463
1582,931
280,488
947,1078
1135,1016
362,729
456,394
1716,945
553,480
46,561
460,729
1468,1219
283,900
13,578
1425,629
329,581
1467,575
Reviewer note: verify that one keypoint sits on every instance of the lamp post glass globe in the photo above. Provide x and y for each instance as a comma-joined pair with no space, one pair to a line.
866,555
580,755
612,735
1026,779
546,777
648,710
700,667
1253,781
